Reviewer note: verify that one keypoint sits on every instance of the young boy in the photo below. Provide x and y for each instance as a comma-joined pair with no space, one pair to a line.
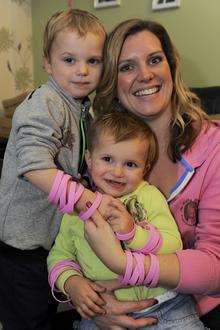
48,133
121,152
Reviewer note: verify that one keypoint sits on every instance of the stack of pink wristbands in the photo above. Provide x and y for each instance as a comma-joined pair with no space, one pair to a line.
67,193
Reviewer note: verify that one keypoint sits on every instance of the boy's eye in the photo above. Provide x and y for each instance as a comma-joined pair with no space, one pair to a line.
69,60
107,159
95,61
131,164
125,67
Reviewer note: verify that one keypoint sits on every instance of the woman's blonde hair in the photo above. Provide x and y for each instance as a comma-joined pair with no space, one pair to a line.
122,127
187,116
72,19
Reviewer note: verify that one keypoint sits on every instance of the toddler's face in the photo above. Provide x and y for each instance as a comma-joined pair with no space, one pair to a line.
76,62
117,168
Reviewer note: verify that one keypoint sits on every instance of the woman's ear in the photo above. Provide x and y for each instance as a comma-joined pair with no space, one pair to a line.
88,160
47,65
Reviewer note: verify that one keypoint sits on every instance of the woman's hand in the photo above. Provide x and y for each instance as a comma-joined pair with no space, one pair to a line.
103,242
85,296
116,311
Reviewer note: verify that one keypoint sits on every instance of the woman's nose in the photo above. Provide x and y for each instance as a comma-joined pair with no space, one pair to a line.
145,73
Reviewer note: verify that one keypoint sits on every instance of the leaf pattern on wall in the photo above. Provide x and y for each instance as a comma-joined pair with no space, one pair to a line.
6,39
21,51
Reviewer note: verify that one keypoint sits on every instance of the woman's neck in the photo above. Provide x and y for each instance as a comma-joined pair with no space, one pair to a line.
164,173
161,128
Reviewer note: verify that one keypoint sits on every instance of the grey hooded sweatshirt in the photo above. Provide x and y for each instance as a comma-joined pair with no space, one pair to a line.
46,133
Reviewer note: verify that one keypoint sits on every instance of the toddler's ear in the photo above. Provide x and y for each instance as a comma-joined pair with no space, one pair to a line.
147,170
88,159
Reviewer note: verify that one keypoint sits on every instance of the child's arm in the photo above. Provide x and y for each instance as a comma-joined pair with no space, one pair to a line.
68,279
158,215
38,128
44,179
85,296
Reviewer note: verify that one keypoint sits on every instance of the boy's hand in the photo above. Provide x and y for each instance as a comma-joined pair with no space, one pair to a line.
120,219
89,196
85,296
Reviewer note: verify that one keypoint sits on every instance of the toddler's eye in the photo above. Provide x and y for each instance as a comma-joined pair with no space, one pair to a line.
107,159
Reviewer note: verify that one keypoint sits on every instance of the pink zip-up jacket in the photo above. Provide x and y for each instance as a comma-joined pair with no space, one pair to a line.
195,204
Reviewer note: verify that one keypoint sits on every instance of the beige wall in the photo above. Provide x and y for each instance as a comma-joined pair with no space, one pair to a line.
16,62
194,28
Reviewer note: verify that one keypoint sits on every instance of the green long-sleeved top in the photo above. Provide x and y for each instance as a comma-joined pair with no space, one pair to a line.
145,203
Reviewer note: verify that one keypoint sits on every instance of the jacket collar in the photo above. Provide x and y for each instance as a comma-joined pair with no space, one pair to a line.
195,156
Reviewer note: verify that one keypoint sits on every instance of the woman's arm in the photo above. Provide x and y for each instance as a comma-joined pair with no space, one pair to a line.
103,241
193,271
200,267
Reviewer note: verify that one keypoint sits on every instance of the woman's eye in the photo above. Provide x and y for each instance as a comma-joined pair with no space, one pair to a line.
156,59
131,164
69,60
125,67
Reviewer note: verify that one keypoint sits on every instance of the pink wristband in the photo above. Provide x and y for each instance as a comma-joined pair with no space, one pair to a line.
127,236
62,191
55,186
140,266
136,271
152,278
89,212
68,208
154,242
79,191
124,279
56,270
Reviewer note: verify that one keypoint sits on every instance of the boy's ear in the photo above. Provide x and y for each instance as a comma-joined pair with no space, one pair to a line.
47,65
88,159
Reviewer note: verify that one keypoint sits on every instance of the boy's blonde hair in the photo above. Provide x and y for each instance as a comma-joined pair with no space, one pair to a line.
73,19
123,126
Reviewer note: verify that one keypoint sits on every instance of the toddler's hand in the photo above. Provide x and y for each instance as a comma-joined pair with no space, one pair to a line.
85,296
105,208
120,219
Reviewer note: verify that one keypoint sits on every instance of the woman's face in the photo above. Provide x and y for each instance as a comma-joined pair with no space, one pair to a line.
144,78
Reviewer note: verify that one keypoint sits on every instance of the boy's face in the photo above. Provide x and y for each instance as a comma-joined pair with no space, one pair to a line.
76,62
117,168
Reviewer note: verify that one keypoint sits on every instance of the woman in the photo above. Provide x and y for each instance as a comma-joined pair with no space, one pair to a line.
142,75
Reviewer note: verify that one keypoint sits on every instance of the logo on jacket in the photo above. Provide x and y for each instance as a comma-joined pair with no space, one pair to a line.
190,212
